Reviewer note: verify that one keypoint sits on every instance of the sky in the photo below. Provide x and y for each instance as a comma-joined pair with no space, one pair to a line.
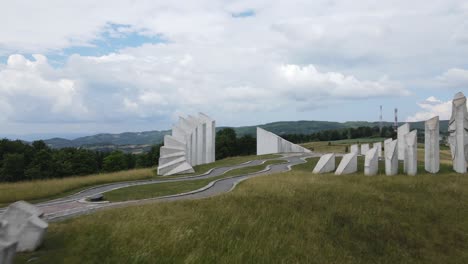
84,67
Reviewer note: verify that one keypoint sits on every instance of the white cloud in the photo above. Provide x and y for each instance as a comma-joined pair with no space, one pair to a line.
291,55
432,107
454,78
334,84
32,91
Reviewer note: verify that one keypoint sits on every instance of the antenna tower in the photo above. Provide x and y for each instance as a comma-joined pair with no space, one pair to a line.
396,119
380,124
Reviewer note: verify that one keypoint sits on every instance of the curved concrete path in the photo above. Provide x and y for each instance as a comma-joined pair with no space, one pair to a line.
75,204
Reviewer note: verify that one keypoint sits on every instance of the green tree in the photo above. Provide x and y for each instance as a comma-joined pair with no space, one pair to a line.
115,161
226,143
12,167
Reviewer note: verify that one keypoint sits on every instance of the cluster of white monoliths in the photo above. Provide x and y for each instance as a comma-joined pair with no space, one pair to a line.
192,143
21,229
269,143
404,148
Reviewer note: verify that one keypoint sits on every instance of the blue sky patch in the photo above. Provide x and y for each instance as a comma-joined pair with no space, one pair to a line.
246,13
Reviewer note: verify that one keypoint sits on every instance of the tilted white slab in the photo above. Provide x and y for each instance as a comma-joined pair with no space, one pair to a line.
347,165
458,133
7,250
21,223
364,149
401,132
371,162
192,143
269,143
431,145
325,164
391,157
354,149
411,153
378,145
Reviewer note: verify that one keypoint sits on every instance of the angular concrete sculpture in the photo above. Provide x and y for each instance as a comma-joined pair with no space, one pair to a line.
401,132
364,149
378,145
7,251
458,133
269,143
411,153
388,140
431,145
325,164
22,225
391,157
355,149
192,143
347,165
371,162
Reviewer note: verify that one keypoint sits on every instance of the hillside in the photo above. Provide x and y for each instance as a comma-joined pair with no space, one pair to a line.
113,141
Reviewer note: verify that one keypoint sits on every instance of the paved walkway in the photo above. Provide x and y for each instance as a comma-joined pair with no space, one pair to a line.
73,205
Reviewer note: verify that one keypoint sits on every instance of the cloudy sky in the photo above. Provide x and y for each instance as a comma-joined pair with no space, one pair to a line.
81,67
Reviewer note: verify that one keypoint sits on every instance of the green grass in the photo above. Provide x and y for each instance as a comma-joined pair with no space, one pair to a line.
35,191
293,217
337,146
41,190
169,188
199,169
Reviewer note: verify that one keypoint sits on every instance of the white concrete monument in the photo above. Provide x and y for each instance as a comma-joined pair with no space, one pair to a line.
371,162
411,153
391,157
192,143
7,251
325,164
348,164
378,145
431,145
364,149
401,132
269,143
354,149
388,140
21,224
458,133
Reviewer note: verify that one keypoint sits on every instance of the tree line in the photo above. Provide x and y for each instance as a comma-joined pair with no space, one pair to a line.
21,161
339,134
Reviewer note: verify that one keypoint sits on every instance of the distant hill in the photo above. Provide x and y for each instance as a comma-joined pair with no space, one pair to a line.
117,141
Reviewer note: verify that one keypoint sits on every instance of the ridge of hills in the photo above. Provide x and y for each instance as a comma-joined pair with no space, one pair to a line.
148,138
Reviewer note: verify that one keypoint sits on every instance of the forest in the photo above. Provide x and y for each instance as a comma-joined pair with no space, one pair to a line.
21,161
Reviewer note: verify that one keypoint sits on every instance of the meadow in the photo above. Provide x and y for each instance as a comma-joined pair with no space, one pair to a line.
291,217
39,190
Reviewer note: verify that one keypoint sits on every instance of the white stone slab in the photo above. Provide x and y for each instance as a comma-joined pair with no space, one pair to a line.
24,226
347,165
354,149
7,251
401,132
269,143
371,162
391,157
458,133
364,148
431,145
325,164
411,153
378,145
192,143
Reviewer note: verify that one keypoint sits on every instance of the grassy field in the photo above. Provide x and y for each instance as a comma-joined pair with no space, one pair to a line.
293,217
338,146
199,169
162,189
36,191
